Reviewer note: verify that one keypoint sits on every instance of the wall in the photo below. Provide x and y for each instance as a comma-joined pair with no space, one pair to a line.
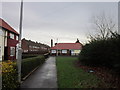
25,46
1,44
31,47
11,43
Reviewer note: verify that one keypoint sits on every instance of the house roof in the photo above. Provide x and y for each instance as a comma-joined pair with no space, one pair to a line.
3,24
67,46
35,43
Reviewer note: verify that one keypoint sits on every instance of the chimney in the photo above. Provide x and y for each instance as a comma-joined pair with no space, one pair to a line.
51,42
77,41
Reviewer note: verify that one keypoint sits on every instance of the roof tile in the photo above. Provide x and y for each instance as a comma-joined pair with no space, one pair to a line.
67,46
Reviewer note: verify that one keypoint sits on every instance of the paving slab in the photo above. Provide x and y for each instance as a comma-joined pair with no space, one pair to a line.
44,77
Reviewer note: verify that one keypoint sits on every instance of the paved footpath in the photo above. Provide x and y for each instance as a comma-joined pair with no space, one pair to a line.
44,77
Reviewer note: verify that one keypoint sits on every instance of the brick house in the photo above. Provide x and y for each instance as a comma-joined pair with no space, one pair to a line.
32,47
69,49
8,41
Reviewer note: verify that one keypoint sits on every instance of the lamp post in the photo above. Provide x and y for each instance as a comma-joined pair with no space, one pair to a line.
57,47
19,44
119,17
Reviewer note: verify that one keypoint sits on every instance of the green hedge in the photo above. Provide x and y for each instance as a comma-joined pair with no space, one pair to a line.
102,53
24,56
31,63
46,55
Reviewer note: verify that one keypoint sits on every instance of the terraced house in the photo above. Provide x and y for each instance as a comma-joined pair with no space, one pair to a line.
69,49
8,41
31,47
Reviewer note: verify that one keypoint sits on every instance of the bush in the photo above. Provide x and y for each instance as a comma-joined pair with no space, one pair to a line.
31,63
46,55
24,56
9,75
102,53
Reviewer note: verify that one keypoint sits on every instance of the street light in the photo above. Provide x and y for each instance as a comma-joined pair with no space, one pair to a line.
19,44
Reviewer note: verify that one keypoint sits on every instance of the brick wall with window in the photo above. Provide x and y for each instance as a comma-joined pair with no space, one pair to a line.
31,47
11,46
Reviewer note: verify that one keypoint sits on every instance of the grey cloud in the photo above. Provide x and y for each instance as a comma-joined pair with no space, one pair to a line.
64,20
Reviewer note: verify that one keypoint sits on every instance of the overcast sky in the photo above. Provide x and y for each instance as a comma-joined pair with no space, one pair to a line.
66,21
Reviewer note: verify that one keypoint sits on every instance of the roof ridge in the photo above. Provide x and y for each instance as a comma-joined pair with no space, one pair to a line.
5,25
67,46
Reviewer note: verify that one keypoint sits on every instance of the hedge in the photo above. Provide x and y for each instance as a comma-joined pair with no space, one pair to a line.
9,70
9,75
102,53
31,63
46,55
24,56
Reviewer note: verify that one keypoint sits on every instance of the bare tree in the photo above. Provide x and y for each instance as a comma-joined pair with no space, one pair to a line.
104,25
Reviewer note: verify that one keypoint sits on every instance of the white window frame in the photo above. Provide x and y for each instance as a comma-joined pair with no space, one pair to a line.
16,37
12,36
53,51
72,51
64,51
12,51
25,50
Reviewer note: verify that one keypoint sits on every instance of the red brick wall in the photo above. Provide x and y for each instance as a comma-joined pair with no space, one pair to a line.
24,45
11,43
31,50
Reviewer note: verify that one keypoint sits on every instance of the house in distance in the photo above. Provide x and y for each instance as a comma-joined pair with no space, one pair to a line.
69,49
31,47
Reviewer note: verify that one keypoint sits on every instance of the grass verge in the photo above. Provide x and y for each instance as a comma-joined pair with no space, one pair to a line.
70,76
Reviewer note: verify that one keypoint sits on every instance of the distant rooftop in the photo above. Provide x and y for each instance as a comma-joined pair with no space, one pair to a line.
33,42
67,46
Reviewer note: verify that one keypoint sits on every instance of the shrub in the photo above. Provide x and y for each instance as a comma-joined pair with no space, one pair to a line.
46,55
31,63
102,53
24,56
9,75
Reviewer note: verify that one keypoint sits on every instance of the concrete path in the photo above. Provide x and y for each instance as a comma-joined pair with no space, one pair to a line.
44,77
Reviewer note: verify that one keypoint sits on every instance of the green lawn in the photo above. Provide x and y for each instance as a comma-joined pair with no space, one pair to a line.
70,76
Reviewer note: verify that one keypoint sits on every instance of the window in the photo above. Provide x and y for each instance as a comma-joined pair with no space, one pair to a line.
64,51
77,51
11,36
16,37
72,51
30,47
12,51
53,51
1,32
25,50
